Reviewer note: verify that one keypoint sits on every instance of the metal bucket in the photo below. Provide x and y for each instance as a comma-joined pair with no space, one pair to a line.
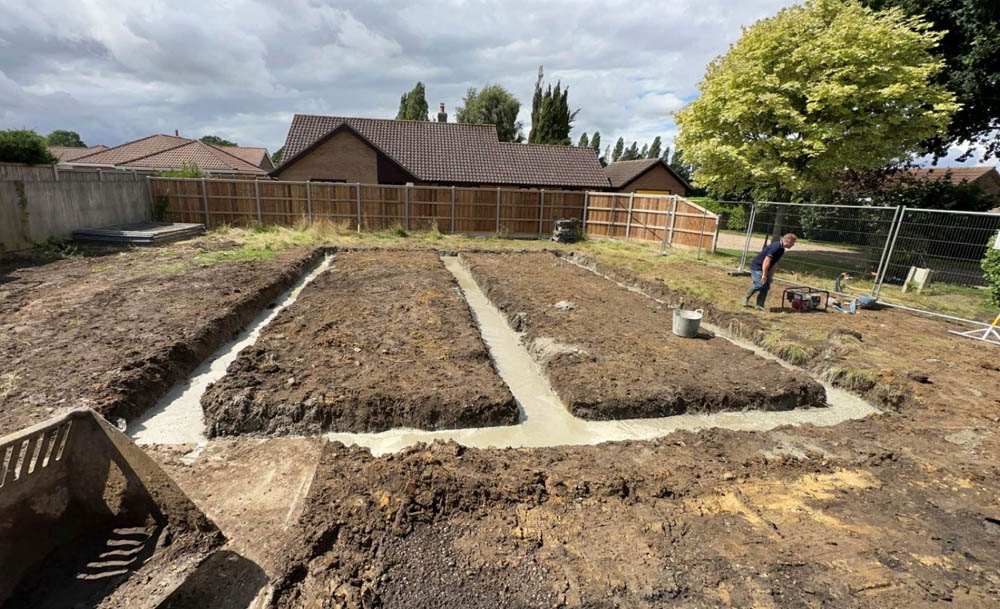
686,323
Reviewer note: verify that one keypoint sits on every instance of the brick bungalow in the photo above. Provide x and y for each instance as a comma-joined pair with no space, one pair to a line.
166,152
646,176
383,151
985,177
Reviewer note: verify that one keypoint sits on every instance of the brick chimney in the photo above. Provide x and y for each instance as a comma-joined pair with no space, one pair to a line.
442,115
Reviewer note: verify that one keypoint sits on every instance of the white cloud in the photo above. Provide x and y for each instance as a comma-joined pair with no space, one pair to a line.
115,70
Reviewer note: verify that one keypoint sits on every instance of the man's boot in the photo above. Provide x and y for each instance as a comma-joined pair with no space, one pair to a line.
761,298
746,299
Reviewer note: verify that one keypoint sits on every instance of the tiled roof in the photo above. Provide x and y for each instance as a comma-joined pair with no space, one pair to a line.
66,153
206,156
130,151
457,152
171,152
253,155
622,172
956,175
542,165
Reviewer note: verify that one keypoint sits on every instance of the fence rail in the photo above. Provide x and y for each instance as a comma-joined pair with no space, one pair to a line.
477,211
53,173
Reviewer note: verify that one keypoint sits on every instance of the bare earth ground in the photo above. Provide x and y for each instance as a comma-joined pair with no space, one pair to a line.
380,340
113,332
610,353
897,510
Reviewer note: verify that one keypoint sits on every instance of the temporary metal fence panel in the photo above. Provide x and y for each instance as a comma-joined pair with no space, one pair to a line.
934,261
878,251
832,240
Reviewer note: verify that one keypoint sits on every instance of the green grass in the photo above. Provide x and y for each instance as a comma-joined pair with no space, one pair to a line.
243,254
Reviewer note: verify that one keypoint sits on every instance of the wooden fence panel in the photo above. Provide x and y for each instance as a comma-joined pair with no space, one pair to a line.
512,212
651,218
475,210
429,207
332,202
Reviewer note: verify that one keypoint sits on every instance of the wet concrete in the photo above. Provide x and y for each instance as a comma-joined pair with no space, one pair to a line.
177,416
545,421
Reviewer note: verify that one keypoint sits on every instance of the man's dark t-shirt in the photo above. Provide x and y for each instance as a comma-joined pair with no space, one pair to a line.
774,249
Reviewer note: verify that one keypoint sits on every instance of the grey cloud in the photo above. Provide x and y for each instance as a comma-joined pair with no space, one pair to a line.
118,70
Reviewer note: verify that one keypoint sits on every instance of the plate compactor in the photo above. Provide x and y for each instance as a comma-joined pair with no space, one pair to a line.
804,298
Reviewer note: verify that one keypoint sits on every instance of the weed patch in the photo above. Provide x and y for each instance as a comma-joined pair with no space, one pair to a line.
244,254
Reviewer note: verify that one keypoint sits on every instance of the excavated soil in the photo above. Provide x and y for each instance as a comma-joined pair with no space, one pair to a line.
714,519
113,330
380,340
610,353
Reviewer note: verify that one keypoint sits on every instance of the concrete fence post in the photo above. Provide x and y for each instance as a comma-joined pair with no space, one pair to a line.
152,199
100,175
309,201
406,207
541,212
204,198
357,185
452,209
256,195
55,172
586,204
628,217
498,210
673,220
701,230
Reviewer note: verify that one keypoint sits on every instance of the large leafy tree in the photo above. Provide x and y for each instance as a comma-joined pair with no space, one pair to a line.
493,105
413,105
595,142
24,146
970,49
584,141
217,141
818,88
616,154
61,137
278,155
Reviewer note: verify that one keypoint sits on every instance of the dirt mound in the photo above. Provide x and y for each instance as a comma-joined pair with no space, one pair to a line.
114,332
380,340
610,353
696,520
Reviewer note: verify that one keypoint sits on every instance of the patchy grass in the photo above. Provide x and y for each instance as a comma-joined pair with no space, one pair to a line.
855,379
171,268
243,254
8,382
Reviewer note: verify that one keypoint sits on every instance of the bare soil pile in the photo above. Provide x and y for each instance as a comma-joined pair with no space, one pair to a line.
610,353
115,331
380,340
715,519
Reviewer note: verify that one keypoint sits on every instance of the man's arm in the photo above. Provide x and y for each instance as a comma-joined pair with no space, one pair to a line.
766,267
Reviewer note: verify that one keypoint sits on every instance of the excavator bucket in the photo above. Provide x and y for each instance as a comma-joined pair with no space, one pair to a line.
87,519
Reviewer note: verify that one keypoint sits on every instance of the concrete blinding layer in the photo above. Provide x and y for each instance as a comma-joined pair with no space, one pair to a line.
74,486
545,421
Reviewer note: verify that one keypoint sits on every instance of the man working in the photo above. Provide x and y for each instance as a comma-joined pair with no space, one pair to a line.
762,269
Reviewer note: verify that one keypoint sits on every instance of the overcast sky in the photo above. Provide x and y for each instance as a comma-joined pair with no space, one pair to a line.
117,70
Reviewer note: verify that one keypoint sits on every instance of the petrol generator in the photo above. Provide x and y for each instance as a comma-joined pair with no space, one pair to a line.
804,298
